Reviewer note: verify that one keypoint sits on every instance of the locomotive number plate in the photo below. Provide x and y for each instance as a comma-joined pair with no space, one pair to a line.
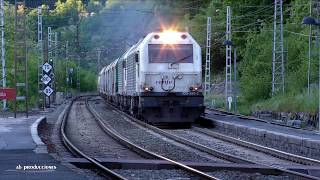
190,93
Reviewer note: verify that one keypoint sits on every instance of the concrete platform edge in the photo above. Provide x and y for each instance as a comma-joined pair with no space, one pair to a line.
41,147
292,144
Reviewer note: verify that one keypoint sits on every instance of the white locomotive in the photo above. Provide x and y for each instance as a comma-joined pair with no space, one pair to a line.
159,79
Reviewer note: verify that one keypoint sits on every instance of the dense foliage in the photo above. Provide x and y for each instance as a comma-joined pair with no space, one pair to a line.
252,26
62,20
110,27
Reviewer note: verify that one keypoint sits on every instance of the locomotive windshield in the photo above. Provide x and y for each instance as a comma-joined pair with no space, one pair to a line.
171,53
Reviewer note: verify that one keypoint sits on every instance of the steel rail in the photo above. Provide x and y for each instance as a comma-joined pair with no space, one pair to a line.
63,117
257,147
139,149
212,151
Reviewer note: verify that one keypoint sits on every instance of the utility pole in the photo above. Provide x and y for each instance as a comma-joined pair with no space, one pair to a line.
278,82
235,83
309,53
50,59
20,57
78,74
207,82
78,53
40,60
99,60
318,50
67,70
4,83
55,58
228,86
55,48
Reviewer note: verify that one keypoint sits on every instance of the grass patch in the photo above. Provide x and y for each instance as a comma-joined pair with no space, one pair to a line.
290,103
302,102
218,101
214,101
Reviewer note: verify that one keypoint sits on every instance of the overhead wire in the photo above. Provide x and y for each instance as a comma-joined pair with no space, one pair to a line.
253,13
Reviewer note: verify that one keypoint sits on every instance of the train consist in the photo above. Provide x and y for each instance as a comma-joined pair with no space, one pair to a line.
158,80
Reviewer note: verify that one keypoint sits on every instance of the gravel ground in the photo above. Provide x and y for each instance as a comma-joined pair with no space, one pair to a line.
85,133
151,174
50,135
96,143
230,148
150,140
237,175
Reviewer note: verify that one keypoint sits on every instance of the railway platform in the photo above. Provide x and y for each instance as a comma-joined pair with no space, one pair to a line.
296,141
24,156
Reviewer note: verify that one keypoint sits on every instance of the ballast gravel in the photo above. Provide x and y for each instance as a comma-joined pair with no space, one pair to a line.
178,174
230,148
147,139
163,146
237,175
152,174
86,134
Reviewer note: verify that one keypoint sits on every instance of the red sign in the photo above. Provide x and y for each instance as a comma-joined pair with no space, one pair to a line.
7,93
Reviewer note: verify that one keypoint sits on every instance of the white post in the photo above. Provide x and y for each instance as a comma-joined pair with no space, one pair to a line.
4,83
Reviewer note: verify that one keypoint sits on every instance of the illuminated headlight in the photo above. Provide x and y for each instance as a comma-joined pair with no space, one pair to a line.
194,88
147,88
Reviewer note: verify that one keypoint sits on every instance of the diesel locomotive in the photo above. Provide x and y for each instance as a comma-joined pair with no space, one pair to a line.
158,80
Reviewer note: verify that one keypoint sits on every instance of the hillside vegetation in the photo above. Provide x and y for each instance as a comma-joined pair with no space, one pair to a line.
110,27
252,24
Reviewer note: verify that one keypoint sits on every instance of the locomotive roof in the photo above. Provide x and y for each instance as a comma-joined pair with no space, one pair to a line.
150,38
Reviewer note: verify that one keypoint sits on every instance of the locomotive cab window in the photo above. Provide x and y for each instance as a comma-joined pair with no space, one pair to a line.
170,53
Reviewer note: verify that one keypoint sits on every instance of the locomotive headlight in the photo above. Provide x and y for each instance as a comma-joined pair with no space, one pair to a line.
169,37
147,88
194,88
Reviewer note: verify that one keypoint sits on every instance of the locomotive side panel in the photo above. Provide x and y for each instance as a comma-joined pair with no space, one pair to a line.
131,75
120,76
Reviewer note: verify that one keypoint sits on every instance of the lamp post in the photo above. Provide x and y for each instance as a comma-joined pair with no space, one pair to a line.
314,22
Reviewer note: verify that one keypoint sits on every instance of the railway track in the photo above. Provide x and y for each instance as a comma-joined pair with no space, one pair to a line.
75,150
143,152
229,157
257,147
269,133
